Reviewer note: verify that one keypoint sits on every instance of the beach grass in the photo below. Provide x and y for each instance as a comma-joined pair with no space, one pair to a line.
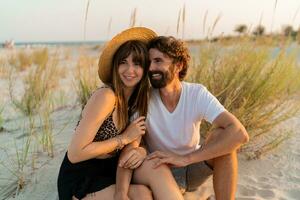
40,57
86,77
257,84
1,118
46,139
39,83
3,68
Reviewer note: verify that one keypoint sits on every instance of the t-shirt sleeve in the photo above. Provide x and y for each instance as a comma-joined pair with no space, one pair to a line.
208,105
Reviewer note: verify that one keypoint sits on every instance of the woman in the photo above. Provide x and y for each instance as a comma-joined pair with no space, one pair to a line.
89,168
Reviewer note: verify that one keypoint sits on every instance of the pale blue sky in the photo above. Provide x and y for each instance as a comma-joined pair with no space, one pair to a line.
63,20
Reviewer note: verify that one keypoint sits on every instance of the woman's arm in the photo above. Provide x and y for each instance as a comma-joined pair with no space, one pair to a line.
124,175
98,107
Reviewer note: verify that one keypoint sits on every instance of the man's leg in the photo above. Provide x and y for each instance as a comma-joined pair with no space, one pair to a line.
225,169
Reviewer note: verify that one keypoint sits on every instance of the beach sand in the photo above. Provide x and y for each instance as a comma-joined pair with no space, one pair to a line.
273,176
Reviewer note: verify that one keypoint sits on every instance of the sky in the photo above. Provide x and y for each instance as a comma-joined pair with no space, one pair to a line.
63,20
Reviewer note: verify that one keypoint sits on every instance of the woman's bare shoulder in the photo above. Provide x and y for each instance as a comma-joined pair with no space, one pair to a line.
102,100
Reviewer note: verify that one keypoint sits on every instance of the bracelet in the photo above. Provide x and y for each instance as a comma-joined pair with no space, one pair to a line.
120,143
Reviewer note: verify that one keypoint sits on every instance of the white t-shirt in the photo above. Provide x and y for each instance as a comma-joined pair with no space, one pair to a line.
178,131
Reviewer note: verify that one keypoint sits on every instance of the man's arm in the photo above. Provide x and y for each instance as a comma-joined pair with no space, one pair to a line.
228,135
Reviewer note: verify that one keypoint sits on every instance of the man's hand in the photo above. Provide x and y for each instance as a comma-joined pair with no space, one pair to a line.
169,158
133,158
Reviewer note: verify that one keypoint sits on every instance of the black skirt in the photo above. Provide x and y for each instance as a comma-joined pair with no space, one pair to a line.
80,179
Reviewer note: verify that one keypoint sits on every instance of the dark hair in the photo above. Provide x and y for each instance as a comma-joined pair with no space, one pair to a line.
175,49
138,101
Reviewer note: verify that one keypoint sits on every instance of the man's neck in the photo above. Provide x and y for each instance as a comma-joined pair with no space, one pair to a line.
170,94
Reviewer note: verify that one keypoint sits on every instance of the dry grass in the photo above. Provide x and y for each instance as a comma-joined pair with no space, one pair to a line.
133,18
39,83
3,68
86,77
1,118
17,165
256,85
23,59
40,57
47,131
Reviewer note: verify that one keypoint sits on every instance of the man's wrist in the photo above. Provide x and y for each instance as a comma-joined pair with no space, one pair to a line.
188,159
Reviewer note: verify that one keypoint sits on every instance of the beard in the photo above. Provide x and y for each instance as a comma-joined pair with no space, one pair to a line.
165,77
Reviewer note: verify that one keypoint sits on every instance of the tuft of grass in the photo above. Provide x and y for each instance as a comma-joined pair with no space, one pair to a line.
3,68
178,21
256,84
1,119
86,78
85,18
40,57
17,167
133,18
257,154
24,60
47,134
38,85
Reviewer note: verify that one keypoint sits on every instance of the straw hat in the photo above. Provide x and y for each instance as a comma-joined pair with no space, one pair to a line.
105,62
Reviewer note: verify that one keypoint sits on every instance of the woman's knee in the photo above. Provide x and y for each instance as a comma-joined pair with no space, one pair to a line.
140,192
148,166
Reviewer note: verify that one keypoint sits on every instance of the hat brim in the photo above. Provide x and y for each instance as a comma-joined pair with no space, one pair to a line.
105,61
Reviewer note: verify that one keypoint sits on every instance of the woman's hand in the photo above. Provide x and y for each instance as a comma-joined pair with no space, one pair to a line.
132,158
136,129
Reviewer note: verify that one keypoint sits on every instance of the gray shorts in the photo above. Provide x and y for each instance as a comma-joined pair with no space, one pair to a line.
189,178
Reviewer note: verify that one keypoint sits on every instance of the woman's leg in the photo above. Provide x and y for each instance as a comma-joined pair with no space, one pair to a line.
136,192
160,180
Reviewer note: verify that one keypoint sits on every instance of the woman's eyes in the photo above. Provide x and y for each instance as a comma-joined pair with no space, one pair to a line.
125,62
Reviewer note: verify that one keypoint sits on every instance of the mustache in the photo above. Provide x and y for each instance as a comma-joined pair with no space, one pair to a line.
150,73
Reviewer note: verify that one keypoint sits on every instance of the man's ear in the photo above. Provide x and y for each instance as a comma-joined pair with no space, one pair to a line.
179,66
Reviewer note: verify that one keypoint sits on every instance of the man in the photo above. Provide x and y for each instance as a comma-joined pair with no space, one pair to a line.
173,122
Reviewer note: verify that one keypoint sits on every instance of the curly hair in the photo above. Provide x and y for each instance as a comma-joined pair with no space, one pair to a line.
175,49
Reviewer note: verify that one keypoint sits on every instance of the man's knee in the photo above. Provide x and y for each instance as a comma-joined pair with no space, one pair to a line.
230,158
148,167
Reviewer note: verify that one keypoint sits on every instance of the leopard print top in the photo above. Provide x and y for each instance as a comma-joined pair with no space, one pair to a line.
107,130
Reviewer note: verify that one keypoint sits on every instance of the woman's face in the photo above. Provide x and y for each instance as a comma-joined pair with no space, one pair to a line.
130,72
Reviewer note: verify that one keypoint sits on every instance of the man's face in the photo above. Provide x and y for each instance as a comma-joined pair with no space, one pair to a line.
161,71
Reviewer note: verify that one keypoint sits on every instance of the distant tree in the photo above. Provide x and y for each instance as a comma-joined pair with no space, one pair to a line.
259,30
287,30
240,29
298,35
